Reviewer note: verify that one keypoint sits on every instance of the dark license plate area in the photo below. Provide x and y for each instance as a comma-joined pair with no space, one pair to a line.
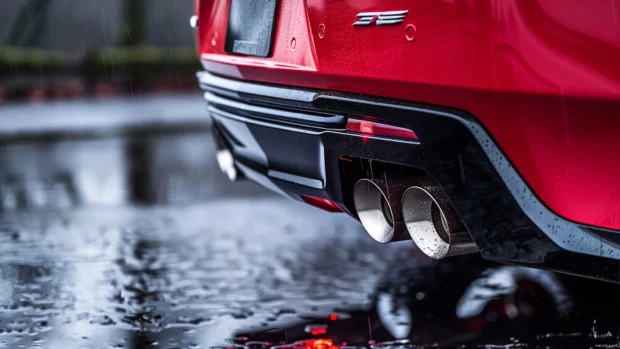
250,27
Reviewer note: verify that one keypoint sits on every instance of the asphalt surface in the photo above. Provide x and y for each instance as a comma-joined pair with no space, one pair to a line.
122,233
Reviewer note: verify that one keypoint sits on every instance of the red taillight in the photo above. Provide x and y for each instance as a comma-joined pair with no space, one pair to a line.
380,129
321,203
318,331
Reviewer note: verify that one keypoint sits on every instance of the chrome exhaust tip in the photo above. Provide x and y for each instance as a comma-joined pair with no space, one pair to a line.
226,162
433,223
225,158
377,202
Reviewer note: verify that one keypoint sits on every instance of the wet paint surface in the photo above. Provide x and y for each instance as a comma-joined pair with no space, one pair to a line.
139,242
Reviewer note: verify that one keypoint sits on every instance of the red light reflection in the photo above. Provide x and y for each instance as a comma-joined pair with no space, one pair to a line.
321,343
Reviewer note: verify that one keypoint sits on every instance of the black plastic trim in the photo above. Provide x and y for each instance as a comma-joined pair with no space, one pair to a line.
272,114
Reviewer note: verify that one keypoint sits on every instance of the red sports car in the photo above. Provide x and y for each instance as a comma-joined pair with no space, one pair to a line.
488,126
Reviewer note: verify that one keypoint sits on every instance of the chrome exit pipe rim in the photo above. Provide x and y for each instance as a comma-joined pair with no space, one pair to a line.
377,202
433,224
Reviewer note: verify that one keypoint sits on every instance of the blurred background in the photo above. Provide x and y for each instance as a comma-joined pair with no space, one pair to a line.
117,229
58,49
100,105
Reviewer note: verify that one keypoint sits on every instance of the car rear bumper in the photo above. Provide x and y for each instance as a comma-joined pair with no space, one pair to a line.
294,141
538,75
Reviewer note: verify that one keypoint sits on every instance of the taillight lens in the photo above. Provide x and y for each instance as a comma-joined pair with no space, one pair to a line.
380,129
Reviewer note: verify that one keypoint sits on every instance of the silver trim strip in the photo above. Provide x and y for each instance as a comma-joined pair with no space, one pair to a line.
288,177
208,81
220,113
278,114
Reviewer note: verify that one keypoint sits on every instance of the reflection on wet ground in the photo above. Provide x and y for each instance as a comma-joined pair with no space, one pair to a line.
139,242
172,272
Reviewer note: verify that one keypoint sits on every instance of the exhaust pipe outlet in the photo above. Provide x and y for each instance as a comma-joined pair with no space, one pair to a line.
433,223
224,157
226,162
377,202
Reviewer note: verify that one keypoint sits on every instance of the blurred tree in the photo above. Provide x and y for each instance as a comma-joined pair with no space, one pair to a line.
132,29
27,30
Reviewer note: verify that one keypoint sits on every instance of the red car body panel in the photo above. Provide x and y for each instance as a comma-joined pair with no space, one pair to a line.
542,76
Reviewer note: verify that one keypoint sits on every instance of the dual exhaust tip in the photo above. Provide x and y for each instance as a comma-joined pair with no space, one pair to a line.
395,209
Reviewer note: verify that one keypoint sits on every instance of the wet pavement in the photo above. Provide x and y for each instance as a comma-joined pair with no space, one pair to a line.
132,238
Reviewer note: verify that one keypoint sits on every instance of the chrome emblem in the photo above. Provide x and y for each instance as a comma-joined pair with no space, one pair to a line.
380,18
